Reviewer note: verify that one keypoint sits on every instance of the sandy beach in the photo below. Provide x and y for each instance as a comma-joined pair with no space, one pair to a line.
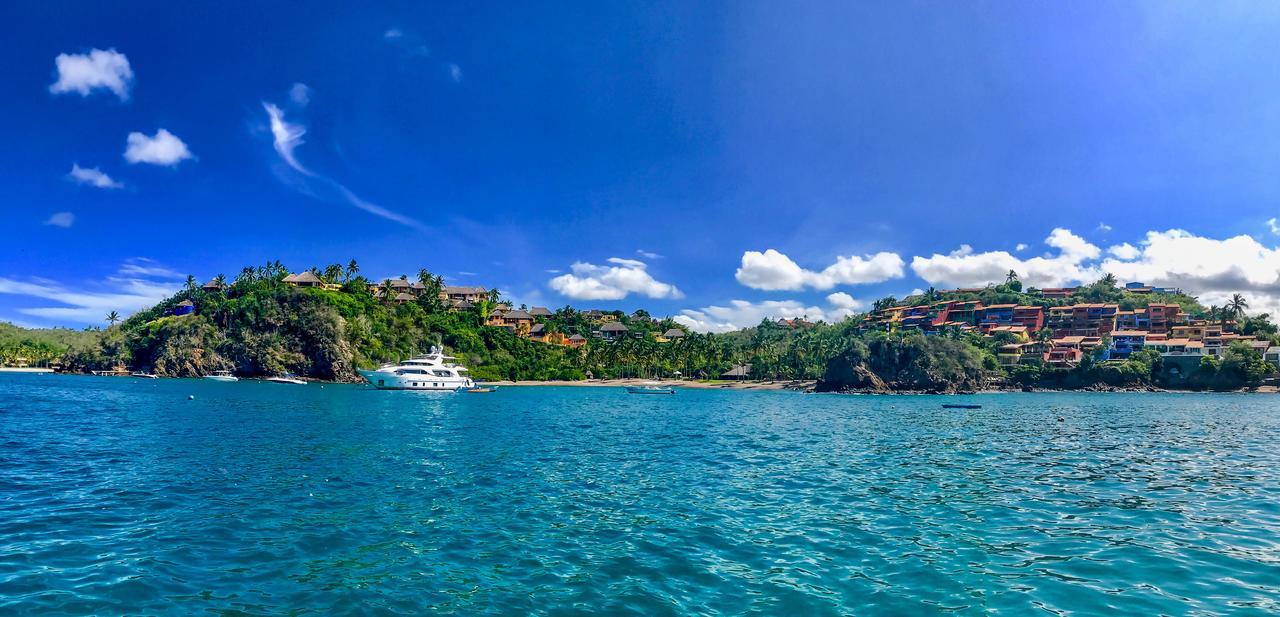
706,385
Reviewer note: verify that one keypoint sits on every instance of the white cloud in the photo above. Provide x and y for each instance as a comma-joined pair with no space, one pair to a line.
772,271
1124,250
1273,226
287,136
98,69
61,219
965,268
1103,227
92,176
300,94
455,72
743,314
392,34
614,282
647,254
1211,268
87,303
163,149
1020,247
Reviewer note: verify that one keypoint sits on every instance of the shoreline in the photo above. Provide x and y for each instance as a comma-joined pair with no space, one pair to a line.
782,384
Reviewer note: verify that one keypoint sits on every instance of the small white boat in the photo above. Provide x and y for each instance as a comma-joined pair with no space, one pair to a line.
287,378
222,376
425,372
651,387
143,375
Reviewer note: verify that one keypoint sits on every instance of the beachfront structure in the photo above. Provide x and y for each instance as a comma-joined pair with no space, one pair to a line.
454,294
611,331
1125,342
305,278
1082,319
1058,292
739,371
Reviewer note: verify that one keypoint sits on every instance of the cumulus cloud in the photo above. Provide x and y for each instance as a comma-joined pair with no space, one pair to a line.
92,176
744,314
1211,268
1022,246
61,219
1273,225
88,302
300,94
164,148
773,271
287,136
97,70
965,268
616,281
1124,250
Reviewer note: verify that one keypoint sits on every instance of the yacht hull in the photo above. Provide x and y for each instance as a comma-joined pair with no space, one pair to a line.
388,380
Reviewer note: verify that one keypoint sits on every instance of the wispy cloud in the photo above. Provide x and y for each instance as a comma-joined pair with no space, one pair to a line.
88,302
92,176
647,254
97,70
1273,225
287,136
1103,227
300,94
61,219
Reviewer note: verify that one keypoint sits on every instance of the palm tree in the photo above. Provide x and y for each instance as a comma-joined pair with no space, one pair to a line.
112,318
1213,313
1010,277
1109,280
931,294
191,282
332,273
352,269
1236,306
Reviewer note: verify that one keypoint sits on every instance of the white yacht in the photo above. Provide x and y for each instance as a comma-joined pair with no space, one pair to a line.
425,372
288,378
222,376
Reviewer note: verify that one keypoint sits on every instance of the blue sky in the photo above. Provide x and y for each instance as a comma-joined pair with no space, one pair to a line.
717,161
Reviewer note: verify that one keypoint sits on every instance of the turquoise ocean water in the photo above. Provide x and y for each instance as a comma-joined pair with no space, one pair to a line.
120,495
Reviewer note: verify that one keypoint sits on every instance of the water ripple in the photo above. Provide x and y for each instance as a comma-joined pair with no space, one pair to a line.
122,496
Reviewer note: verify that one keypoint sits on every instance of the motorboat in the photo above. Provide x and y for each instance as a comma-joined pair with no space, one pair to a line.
144,375
289,378
429,371
479,389
222,376
651,387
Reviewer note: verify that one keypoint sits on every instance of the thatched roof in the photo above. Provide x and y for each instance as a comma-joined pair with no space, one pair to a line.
577,338
540,311
187,303
404,297
613,326
304,277
518,315
459,290
537,328
737,372
674,333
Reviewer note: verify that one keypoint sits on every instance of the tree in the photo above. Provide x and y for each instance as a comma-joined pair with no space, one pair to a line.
432,289
1011,277
191,282
332,273
1109,280
1235,307
352,269
112,318
884,303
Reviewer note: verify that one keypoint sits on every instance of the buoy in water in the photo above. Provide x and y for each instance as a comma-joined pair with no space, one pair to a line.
191,397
